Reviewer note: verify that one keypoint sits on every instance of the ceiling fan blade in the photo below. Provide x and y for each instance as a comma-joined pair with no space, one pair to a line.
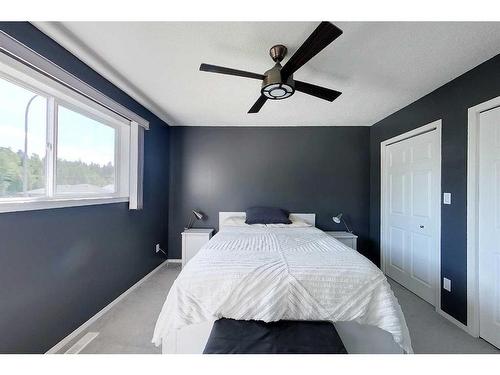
324,34
229,71
317,91
258,104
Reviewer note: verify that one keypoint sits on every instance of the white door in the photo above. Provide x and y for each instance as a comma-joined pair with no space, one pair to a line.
489,225
412,190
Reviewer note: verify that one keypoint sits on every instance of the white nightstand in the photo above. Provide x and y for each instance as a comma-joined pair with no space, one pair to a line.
346,238
192,241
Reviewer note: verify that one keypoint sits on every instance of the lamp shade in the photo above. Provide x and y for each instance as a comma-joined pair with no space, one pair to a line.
198,214
336,219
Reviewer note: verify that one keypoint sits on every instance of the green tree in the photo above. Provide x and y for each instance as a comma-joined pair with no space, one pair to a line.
10,172
68,172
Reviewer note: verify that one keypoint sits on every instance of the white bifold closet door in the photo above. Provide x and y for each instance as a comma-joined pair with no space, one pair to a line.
411,225
489,225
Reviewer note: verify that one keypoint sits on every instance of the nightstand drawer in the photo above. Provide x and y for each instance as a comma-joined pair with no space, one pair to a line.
351,242
192,241
348,239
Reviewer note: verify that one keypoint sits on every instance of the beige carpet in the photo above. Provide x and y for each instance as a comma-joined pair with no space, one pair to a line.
128,326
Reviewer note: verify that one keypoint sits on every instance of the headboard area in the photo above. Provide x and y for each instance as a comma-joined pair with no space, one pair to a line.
308,218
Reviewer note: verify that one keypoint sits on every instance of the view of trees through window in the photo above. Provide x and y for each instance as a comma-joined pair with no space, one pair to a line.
70,173
12,173
85,151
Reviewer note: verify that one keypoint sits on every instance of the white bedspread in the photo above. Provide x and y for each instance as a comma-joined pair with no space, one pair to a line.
271,274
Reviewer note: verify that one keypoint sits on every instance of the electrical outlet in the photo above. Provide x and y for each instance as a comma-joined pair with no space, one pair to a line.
446,284
158,249
446,198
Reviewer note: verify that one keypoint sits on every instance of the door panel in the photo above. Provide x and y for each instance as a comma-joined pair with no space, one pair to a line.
422,258
397,193
489,225
397,246
411,245
421,193
421,152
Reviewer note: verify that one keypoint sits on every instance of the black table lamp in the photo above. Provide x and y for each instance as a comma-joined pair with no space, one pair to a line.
339,219
196,215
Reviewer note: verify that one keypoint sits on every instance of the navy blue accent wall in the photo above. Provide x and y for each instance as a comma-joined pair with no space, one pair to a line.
59,267
324,170
449,103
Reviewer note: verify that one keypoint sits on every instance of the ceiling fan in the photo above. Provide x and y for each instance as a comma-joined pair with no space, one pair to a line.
278,82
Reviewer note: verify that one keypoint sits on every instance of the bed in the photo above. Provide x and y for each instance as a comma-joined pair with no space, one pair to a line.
271,273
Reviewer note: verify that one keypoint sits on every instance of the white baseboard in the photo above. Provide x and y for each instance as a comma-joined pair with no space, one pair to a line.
174,260
453,320
82,343
65,341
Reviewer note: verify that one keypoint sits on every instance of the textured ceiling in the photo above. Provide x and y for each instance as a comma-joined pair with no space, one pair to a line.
380,67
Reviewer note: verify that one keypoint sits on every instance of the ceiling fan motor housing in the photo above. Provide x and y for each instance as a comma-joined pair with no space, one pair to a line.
273,86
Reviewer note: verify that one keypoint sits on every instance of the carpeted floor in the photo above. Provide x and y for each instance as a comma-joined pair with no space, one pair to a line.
128,327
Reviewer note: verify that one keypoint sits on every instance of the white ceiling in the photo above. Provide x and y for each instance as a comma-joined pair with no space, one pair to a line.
380,67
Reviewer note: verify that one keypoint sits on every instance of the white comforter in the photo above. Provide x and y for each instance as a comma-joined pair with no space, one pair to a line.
269,274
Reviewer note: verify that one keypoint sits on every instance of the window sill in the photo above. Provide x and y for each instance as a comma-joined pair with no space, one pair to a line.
30,205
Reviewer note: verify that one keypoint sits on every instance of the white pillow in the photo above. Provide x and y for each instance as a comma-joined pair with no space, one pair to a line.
296,223
235,221
239,221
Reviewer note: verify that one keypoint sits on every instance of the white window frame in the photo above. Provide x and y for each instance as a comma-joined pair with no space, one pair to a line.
121,166
126,143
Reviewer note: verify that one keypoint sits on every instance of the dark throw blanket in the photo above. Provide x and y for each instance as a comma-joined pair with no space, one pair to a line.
229,336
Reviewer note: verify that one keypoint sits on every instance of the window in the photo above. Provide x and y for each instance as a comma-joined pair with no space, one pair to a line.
85,155
22,148
59,148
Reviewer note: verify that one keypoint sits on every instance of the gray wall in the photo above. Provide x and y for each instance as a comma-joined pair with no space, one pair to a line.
449,103
59,267
324,170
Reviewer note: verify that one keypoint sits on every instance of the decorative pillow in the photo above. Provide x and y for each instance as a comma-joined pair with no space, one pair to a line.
266,215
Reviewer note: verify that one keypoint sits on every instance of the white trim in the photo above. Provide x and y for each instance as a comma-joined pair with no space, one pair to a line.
47,203
65,341
452,320
472,213
50,150
174,260
136,165
435,125
82,343
58,32
27,56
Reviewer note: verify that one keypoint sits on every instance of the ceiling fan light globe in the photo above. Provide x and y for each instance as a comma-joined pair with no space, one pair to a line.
277,91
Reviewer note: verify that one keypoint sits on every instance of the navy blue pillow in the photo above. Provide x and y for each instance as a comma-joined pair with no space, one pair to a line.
266,215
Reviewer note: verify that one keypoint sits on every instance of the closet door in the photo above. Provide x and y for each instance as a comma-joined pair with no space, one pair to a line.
489,226
412,203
